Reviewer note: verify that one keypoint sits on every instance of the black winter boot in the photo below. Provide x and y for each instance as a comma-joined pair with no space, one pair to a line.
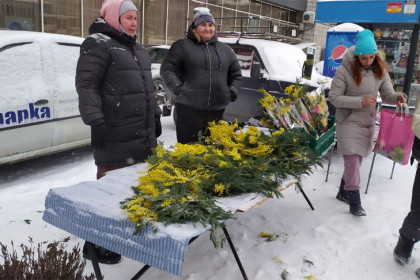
418,273
403,249
342,193
103,255
355,204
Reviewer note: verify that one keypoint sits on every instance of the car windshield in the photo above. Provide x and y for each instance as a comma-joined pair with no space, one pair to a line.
286,62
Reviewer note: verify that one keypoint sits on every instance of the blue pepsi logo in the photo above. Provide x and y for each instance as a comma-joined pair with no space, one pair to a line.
337,53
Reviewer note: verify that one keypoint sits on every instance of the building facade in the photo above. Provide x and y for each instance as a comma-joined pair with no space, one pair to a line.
160,21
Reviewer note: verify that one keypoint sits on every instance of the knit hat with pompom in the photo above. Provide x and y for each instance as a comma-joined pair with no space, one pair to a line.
201,15
112,10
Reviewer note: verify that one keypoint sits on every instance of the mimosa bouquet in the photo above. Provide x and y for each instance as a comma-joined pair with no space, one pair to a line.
182,183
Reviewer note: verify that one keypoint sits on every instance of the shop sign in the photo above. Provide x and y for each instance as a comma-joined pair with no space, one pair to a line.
409,7
394,7
336,46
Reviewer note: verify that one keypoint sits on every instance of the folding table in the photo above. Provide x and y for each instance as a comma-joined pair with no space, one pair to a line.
91,211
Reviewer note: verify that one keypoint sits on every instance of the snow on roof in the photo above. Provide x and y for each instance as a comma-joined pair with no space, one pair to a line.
13,36
346,27
283,61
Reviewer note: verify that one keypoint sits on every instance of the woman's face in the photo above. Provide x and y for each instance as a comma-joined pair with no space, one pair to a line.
129,22
205,31
366,60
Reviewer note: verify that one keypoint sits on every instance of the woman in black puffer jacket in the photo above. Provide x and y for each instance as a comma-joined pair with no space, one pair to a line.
203,74
115,87
114,83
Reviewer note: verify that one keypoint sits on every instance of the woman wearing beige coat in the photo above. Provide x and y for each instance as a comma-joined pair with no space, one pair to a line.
354,91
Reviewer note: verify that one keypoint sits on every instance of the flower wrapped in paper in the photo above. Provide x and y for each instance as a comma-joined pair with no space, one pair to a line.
295,93
276,112
316,103
299,108
286,113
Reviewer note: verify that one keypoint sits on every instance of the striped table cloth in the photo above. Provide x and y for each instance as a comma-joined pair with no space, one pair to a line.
91,211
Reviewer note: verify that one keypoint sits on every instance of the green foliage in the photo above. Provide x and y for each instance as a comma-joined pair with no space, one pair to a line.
183,183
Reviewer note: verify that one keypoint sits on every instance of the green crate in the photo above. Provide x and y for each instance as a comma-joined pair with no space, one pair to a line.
321,143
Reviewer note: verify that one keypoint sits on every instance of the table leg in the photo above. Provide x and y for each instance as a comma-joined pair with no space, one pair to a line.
370,172
238,261
141,272
304,195
94,260
329,163
392,172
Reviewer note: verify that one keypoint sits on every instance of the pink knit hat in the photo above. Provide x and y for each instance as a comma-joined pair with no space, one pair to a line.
111,11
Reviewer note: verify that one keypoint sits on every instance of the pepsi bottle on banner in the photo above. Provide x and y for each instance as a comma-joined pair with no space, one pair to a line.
337,44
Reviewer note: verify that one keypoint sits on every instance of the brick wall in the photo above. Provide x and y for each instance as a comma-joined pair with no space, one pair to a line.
316,33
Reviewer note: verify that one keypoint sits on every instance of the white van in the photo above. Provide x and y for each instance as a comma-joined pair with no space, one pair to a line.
39,112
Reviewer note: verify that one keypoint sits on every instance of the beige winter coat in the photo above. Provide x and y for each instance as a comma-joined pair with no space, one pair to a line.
355,125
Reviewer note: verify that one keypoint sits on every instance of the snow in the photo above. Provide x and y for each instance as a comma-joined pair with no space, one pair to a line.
346,27
283,62
328,243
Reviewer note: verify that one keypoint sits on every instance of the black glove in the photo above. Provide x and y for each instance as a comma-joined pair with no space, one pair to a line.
158,127
98,133
233,96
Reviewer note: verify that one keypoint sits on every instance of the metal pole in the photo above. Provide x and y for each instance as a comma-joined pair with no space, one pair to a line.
188,12
142,24
299,185
166,27
392,172
81,18
235,254
411,58
42,16
370,172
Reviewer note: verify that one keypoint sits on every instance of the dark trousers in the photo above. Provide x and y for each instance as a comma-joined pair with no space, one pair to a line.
102,170
190,121
411,224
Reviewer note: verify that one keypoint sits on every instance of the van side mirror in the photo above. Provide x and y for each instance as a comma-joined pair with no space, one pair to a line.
256,71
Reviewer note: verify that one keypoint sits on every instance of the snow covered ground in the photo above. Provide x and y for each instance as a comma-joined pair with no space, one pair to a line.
327,243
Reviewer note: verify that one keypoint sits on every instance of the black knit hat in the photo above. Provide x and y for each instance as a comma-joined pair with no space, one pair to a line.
201,15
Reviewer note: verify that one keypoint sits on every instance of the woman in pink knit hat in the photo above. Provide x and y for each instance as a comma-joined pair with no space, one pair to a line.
116,95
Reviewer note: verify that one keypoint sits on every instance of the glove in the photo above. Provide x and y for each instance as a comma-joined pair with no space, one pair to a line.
233,96
158,127
98,133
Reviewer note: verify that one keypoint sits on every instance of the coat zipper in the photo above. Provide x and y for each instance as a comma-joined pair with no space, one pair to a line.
209,57
147,99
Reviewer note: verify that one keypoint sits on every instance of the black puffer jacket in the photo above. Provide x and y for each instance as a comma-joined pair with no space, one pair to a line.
201,75
115,86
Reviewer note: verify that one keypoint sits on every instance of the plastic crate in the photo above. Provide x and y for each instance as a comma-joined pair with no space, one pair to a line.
321,143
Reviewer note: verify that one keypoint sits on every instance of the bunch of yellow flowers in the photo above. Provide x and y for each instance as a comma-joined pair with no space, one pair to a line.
182,183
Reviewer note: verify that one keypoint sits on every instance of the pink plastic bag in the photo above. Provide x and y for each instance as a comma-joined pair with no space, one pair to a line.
395,138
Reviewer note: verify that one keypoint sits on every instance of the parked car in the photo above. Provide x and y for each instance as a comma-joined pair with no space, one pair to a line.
271,65
157,53
39,112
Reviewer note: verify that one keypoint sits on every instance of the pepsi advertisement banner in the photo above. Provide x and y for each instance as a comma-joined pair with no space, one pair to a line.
336,45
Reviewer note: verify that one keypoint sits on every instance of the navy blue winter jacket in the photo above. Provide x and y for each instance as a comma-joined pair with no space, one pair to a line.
115,86
201,75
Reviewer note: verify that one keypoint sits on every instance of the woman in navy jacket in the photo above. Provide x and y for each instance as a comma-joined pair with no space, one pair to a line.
204,76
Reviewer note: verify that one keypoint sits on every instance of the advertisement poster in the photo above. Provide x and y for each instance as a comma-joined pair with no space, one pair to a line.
336,45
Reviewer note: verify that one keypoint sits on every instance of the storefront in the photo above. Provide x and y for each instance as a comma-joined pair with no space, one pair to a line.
395,25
